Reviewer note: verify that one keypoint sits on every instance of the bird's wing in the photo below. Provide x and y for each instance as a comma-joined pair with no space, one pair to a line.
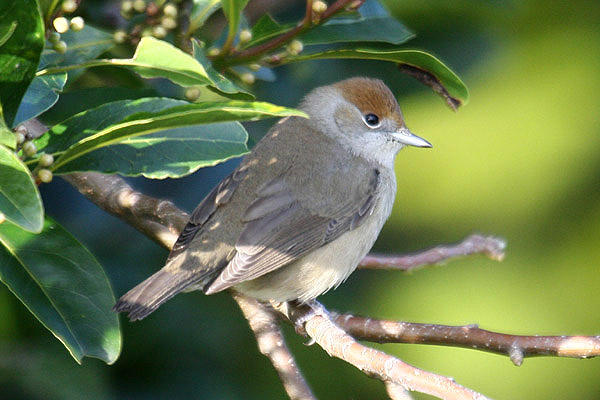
219,196
280,229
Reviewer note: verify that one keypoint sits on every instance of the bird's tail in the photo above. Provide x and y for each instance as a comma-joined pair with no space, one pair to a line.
154,291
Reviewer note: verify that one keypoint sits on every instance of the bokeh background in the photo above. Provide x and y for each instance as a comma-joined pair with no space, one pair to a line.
521,160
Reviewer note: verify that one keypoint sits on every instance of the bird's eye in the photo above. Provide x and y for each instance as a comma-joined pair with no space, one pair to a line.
371,120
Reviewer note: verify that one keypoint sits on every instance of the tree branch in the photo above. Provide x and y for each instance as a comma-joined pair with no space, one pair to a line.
492,247
373,362
271,343
517,347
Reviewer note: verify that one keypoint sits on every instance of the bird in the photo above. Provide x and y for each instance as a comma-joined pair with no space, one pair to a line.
301,210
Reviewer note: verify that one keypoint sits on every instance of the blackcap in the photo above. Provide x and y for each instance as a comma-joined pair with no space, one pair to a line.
301,210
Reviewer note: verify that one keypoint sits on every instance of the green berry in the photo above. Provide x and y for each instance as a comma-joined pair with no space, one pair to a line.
60,47
192,93
2,217
248,78
213,52
45,175
60,24
77,24
54,37
170,10
245,36
159,31
120,37
254,66
46,160
319,7
295,47
168,22
69,6
29,148
146,32
20,137
127,6
139,6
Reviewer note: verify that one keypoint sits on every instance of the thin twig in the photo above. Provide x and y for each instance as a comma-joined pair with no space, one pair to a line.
373,362
271,343
492,247
255,52
517,347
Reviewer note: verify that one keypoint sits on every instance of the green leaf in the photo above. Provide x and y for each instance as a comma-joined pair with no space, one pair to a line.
169,153
7,137
264,29
155,58
20,53
40,96
47,8
6,31
19,197
144,123
82,46
233,11
201,10
367,29
221,85
64,287
454,86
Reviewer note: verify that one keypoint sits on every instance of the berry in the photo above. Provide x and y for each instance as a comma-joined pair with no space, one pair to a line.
168,22
45,175
213,52
159,31
245,36
127,6
170,10
46,160
29,148
120,37
54,37
295,47
254,66
60,47
60,24
139,6
2,217
20,137
69,6
77,24
248,78
319,7
192,93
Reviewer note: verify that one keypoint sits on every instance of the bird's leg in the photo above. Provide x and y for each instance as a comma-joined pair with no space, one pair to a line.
298,313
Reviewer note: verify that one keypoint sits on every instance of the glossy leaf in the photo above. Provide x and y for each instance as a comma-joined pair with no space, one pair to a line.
91,135
416,58
221,84
201,10
20,200
40,96
6,31
63,286
7,137
367,29
20,53
170,153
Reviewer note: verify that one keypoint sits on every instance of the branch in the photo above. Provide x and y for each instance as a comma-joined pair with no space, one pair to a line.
517,347
373,362
271,343
492,247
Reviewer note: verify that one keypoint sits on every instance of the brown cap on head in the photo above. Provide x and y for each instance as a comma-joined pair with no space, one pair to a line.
371,96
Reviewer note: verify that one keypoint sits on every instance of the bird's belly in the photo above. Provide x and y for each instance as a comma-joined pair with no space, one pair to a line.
319,270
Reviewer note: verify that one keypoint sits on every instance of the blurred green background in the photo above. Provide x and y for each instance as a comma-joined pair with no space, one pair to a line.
521,160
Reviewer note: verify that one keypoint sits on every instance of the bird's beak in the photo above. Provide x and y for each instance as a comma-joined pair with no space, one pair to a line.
403,135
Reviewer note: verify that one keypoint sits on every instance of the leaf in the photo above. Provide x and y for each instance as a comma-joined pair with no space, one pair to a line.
20,200
40,96
366,29
221,85
233,11
167,153
7,137
82,46
47,7
264,29
64,287
6,31
144,123
455,88
170,153
201,10
155,58
20,53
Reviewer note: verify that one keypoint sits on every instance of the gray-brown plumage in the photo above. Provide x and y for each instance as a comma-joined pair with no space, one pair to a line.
301,210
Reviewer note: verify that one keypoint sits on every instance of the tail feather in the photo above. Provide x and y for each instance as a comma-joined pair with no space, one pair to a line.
154,291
